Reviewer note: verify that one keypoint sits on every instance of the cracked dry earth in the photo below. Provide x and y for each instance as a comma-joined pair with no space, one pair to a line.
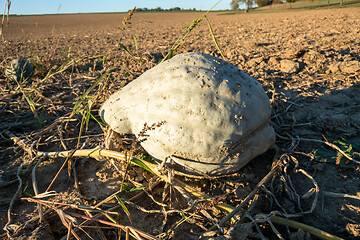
308,63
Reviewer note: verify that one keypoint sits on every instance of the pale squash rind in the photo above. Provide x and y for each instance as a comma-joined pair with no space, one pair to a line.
214,117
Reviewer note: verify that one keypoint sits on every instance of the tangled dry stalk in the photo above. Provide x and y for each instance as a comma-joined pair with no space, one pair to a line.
278,171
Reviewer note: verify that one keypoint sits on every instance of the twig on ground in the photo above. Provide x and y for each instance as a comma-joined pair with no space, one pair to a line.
257,226
61,168
69,217
7,225
275,168
134,231
36,191
100,234
340,195
294,224
97,153
149,188
19,142
277,233
311,191
167,186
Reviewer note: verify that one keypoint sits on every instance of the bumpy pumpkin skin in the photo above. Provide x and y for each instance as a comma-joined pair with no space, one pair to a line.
215,116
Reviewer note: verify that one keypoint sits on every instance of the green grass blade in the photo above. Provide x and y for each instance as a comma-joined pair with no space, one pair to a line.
85,96
135,189
135,41
214,38
125,174
180,41
29,101
97,120
127,50
123,207
141,164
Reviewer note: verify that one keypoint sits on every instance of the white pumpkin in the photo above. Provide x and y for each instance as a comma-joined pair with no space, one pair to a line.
211,117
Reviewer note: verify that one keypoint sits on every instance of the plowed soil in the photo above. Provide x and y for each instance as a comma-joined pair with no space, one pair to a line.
307,62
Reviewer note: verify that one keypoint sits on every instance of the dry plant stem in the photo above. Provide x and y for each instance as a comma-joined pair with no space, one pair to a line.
133,230
253,193
28,100
256,226
340,195
87,212
183,193
148,194
294,224
145,190
128,17
6,228
167,185
311,191
19,142
65,66
51,126
68,217
270,193
79,207
36,191
118,206
61,168
97,153
275,230
211,219
158,211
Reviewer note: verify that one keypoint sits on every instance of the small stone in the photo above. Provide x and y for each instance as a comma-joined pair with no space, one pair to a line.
288,66
241,58
231,53
350,67
273,61
312,55
207,51
334,67
292,53
254,62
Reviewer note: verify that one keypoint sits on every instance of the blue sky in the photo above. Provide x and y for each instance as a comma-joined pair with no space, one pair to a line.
85,6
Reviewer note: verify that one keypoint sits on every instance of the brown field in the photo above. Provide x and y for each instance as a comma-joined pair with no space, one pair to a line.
308,63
